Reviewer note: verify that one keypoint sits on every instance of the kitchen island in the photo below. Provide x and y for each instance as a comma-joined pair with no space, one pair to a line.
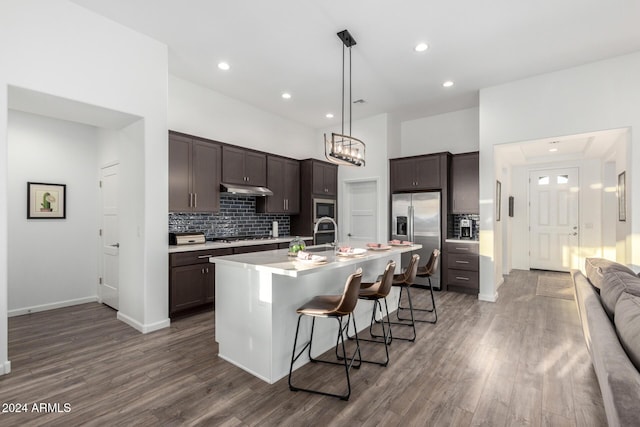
257,295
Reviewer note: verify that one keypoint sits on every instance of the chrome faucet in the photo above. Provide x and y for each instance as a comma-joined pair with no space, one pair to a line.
335,225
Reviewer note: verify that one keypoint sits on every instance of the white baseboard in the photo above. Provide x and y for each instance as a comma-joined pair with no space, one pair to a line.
488,298
5,368
144,328
50,306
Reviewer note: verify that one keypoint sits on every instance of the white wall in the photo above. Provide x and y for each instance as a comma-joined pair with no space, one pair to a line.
200,111
52,262
456,132
373,132
58,48
597,96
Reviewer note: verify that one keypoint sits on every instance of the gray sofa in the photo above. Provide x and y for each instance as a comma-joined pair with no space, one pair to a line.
608,300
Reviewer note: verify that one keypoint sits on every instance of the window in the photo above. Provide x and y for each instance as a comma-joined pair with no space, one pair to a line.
543,180
562,179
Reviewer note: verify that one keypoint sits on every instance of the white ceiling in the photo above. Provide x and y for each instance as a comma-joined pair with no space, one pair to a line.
291,45
592,145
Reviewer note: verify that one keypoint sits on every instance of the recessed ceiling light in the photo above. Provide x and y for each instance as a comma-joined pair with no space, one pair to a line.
329,116
224,66
448,83
421,47
286,95
553,150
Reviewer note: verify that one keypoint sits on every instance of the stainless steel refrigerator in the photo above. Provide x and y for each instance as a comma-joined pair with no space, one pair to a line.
415,217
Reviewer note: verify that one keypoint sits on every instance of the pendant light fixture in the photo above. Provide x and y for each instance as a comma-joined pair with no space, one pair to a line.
342,148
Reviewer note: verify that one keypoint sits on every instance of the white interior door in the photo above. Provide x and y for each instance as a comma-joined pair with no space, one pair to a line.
109,276
554,218
361,204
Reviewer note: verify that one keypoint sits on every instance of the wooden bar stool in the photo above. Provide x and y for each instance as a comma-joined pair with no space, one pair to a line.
376,292
335,306
404,281
426,271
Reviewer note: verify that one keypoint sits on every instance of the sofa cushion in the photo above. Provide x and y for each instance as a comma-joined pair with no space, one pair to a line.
596,268
614,283
627,321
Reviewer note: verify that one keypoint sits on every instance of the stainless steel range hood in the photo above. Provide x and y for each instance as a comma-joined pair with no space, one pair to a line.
245,190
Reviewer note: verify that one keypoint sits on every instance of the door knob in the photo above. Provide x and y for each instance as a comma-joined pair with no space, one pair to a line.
115,245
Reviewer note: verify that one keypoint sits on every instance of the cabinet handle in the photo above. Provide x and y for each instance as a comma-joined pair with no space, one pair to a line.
462,249
204,256
190,200
195,200
462,262
462,278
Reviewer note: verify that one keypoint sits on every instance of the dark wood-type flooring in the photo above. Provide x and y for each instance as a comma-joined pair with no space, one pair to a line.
520,361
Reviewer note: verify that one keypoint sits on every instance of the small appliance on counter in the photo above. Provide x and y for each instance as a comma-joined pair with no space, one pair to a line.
466,229
186,238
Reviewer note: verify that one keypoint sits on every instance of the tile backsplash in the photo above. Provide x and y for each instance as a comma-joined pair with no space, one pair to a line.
454,225
237,217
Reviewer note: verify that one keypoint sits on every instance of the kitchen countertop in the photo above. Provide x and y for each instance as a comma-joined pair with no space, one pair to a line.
278,262
462,241
257,295
221,245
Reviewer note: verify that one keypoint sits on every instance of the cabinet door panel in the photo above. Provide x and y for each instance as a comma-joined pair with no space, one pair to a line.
427,172
179,173
186,287
331,180
465,192
255,168
209,283
276,183
206,177
233,165
292,186
402,175
318,185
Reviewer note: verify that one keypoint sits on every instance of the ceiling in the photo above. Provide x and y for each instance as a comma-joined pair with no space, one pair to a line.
291,46
592,145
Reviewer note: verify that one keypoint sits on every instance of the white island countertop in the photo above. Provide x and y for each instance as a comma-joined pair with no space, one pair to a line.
256,298
280,263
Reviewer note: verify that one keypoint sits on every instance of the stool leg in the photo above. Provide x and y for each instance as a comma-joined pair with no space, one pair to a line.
412,320
348,363
431,310
386,338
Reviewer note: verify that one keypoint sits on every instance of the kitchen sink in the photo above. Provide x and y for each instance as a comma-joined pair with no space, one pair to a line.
319,249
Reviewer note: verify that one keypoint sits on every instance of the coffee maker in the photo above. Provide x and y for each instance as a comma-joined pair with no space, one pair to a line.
466,229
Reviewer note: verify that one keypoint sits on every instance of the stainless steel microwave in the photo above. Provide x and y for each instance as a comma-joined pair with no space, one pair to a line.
323,207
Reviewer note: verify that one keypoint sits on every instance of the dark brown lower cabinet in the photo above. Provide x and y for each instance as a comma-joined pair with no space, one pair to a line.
192,280
462,274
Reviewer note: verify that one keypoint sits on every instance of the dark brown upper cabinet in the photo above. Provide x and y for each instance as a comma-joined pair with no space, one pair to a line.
283,178
244,167
465,190
324,179
417,173
194,174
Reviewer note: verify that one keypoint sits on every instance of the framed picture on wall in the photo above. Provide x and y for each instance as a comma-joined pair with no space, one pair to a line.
498,199
46,201
622,197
